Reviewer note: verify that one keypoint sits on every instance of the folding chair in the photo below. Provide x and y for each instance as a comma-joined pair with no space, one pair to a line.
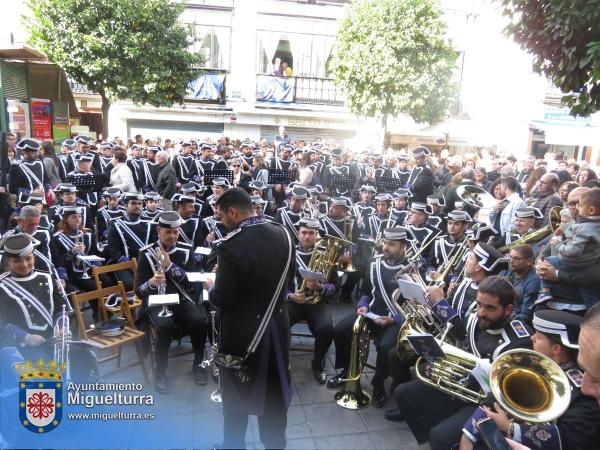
131,335
111,268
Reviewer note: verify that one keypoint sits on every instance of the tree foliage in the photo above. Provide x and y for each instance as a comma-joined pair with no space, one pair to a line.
121,49
564,38
391,57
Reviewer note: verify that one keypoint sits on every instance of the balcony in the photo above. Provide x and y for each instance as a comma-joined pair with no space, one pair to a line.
306,90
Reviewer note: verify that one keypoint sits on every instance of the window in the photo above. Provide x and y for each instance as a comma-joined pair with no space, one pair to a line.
214,44
306,54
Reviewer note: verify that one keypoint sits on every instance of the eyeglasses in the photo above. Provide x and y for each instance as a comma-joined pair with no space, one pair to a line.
235,165
574,203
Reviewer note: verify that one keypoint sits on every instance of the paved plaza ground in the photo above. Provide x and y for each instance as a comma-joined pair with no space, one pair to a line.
188,418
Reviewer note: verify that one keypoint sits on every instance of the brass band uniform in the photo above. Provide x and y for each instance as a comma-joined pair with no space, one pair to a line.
187,314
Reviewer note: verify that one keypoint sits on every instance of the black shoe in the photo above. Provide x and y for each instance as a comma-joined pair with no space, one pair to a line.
394,415
200,374
336,380
161,382
379,397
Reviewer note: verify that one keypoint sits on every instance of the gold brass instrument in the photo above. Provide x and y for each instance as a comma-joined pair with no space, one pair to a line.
323,260
528,385
478,198
456,256
536,235
351,396
348,228
413,254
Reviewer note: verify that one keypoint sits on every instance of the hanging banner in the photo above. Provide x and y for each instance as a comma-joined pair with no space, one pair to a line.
18,117
41,119
60,121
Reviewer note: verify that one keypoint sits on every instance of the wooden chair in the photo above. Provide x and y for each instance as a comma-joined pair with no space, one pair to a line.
110,268
131,335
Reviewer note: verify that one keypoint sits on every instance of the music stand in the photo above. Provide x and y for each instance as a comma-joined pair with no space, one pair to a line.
87,182
341,182
210,175
280,176
388,184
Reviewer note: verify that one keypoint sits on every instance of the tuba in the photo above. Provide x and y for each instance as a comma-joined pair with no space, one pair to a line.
528,385
478,199
536,236
351,396
323,261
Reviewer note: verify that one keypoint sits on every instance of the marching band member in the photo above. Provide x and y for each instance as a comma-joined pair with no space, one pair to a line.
83,148
189,229
335,168
66,194
184,165
106,157
434,416
381,219
399,208
151,207
376,297
525,220
65,165
456,226
28,174
29,301
127,235
436,216
288,216
219,185
259,206
402,171
556,335
262,387
151,168
318,316
206,160
420,181
136,165
416,222
188,314
83,167
68,242
363,208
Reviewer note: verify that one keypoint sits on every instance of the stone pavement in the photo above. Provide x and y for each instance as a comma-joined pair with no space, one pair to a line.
187,418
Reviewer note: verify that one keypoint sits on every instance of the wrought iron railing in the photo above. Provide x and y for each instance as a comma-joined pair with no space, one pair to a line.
310,90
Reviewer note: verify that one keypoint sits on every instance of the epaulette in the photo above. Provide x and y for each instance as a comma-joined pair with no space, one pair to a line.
57,233
575,376
183,245
145,247
229,236
519,329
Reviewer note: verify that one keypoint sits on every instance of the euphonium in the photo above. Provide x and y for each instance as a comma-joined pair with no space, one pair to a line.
351,396
323,260
536,235
348,227
453,260
528,385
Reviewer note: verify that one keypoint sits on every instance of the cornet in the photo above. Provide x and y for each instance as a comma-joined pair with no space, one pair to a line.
160,269
80,264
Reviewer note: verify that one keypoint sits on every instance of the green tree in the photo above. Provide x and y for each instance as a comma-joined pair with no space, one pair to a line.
121,49
391,57
564,38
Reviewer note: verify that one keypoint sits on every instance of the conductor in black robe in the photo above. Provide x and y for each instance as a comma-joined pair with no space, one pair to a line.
255,261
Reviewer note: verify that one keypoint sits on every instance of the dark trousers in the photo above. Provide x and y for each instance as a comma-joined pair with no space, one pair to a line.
385,339
126,276
432,415
320,324
271,423
190,318
399,368
352,279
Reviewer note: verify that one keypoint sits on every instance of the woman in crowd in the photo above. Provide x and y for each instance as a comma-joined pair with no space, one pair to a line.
50,161
532,181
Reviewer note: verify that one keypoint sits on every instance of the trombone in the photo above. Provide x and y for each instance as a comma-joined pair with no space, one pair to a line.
536,236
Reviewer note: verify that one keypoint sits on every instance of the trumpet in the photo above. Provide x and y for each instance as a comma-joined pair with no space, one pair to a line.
81,265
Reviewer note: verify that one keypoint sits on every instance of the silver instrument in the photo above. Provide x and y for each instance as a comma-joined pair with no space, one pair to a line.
160,269
215,396
62,337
